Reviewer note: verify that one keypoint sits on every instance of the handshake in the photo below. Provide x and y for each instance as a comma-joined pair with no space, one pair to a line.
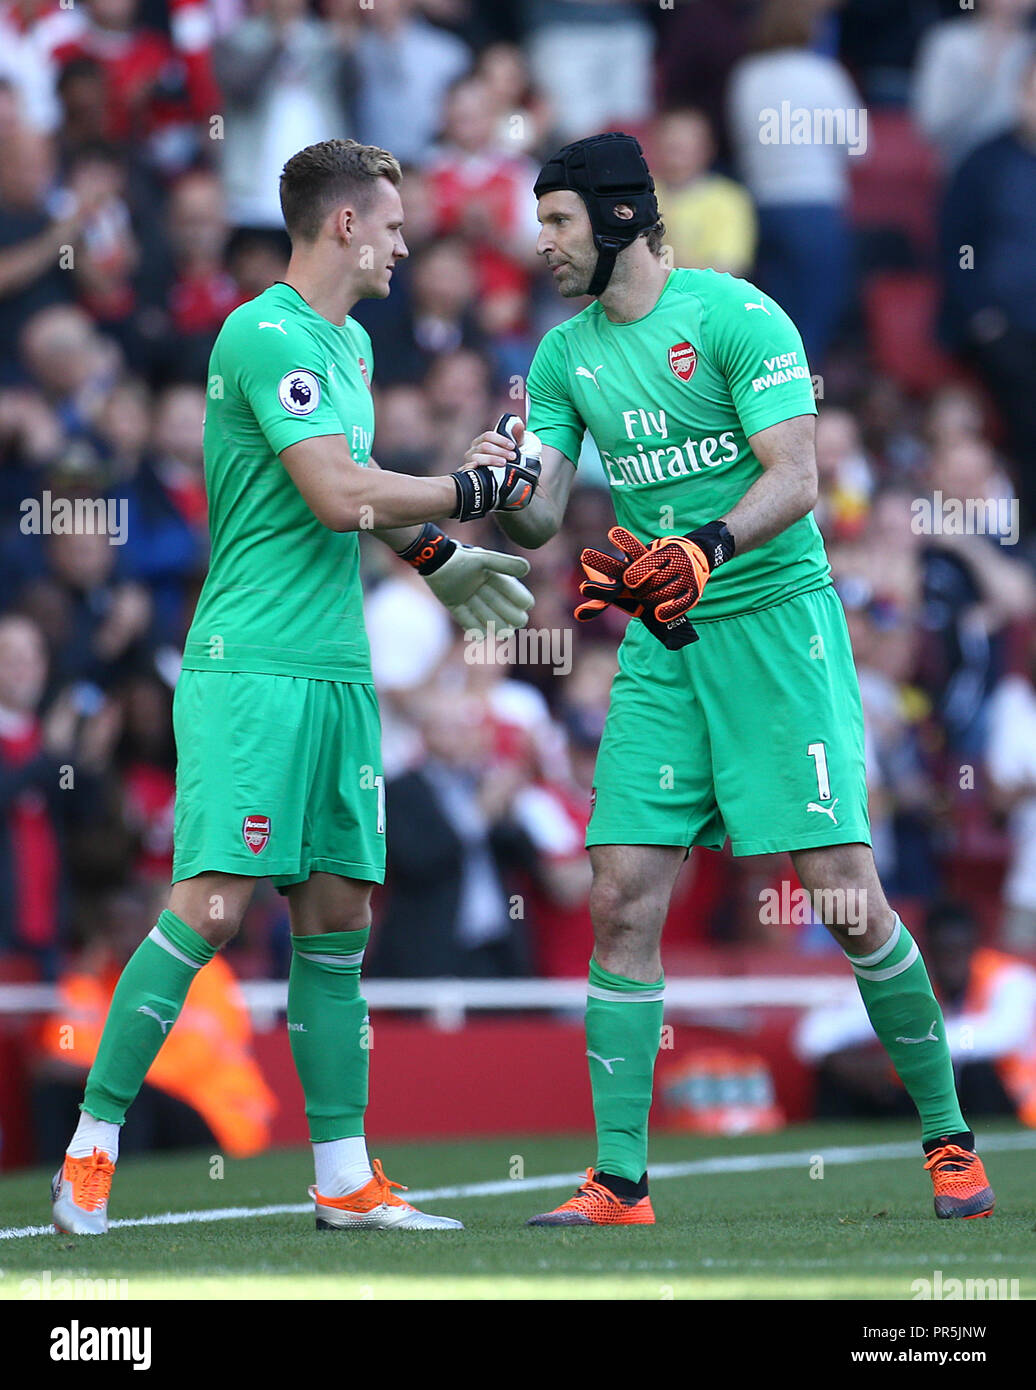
504,486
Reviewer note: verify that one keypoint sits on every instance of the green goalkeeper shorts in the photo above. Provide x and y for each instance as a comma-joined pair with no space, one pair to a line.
277,777
754,732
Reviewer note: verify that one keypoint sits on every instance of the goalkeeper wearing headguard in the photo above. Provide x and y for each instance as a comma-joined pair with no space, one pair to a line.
748,724
275,715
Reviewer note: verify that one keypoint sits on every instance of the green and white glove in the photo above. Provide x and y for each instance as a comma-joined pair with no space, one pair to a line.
481,588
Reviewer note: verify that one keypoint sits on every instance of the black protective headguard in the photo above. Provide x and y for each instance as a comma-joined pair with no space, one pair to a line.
608,172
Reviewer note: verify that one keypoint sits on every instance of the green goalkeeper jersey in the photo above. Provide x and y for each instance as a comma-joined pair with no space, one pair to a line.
670,400
283,594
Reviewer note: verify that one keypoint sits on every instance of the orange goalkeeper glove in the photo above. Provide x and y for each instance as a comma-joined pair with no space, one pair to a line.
604,585
670,576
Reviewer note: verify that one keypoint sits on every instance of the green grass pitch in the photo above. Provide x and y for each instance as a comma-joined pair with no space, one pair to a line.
864,1230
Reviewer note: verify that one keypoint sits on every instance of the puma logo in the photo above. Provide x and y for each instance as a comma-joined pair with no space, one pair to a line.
279,325
585,371
827,810
760,305
929,1036
606,1062
164,1023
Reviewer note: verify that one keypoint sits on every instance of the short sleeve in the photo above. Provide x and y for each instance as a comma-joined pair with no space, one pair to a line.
280,373
759,351
552,414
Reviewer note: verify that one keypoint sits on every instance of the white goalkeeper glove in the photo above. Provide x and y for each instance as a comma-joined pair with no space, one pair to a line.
481,588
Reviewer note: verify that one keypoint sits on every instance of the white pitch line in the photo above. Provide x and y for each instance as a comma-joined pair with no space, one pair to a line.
701,1167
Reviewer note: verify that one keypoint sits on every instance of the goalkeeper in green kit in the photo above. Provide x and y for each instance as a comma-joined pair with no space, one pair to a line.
275,715
747,724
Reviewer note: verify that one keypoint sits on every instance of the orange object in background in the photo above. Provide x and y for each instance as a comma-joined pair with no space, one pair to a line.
206,1061
716,1091
1017,1070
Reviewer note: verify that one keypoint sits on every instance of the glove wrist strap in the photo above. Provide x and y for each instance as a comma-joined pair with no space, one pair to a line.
715,542
476,492
429,551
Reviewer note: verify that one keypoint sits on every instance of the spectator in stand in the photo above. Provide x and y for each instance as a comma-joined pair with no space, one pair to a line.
963,590
47,767
106,260
435,316
145,758
157,475
158,91
458,391
701,43
898,736
35,229
402,416
483,193
989,1006
846,476
98,627
709,219
256,259
988,235
1011,761
72,364
31,32
955,413
525,117
447,910
289,80
203,292
83,95
179,456
800,188
592,60
968,75
405,67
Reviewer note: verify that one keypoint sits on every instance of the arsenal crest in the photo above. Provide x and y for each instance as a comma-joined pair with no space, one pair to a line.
683,359
256,830
364,373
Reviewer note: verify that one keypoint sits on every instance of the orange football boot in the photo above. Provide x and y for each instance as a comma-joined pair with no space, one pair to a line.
961,1186
596,1205
80,1192
376,1207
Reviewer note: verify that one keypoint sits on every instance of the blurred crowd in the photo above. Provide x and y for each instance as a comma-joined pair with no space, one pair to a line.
140,147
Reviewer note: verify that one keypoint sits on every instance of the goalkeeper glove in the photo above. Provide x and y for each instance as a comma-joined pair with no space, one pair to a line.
500,487
671,575
604,585
480,588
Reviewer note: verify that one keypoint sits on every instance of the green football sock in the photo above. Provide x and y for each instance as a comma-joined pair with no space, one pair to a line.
908,1021
328,1031
146,1003
623,1032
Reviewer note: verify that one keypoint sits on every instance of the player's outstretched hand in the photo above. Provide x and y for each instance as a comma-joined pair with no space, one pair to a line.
501,470
604,584
483,589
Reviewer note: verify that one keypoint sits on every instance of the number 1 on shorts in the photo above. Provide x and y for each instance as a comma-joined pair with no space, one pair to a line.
818,753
